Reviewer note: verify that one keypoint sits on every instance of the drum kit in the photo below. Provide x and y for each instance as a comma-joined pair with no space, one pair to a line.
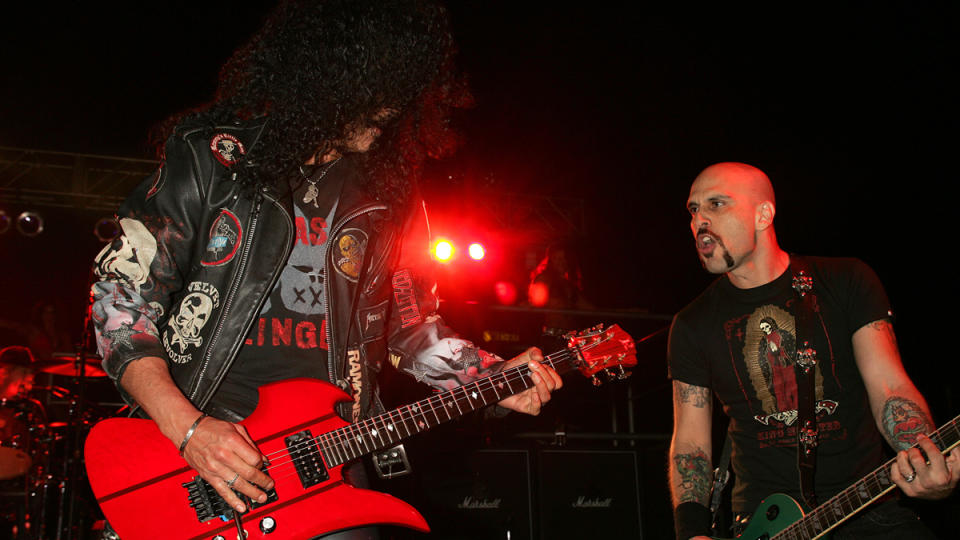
46,410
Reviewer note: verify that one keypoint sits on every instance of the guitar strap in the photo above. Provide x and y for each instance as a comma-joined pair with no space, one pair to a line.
805,366
721,475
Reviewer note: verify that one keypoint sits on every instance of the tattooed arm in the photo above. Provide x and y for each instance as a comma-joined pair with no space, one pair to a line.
690,453
902,415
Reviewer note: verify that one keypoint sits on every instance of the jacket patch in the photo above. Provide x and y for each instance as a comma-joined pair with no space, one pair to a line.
348,253
355,369
373,321
156,183
182,334
226,148
225,238
395,359
406,299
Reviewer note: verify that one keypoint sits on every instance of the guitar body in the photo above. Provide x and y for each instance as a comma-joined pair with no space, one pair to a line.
779,512
774,514
136,475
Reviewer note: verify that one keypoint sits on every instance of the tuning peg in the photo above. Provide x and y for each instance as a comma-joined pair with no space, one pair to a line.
596,381
623,374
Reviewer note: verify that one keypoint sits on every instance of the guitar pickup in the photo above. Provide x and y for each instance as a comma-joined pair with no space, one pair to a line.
391,462
306,458
208,504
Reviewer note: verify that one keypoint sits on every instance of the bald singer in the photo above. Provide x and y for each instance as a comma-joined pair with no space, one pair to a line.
739,341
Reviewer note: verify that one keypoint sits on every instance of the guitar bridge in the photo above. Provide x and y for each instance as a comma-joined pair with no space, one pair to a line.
305,455
208,504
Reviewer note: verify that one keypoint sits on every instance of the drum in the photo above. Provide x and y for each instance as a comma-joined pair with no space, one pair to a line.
20,421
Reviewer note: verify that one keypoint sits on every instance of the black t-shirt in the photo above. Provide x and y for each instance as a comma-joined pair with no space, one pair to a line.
289,338
741,343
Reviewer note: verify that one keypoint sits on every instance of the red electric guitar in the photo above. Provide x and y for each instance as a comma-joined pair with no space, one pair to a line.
146,490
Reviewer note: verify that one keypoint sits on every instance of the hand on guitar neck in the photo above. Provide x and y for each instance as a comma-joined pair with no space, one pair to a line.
932,476
545,380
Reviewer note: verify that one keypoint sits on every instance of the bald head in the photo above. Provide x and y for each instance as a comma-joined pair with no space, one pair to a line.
731,216
745,180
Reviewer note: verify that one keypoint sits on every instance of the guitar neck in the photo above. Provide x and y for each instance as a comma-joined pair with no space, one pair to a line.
389,428
866,490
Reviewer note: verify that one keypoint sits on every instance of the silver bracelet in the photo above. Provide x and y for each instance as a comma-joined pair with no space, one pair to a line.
193,428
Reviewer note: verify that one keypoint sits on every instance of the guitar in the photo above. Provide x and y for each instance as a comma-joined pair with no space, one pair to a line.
780,516
146,489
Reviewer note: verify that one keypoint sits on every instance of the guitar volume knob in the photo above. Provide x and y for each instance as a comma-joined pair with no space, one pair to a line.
268,525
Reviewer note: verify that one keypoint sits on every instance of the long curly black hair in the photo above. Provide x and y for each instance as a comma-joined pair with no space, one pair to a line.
319,68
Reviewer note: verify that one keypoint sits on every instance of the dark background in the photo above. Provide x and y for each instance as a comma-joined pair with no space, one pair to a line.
849,107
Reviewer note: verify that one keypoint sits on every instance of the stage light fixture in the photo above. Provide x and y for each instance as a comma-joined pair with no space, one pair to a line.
443,250
106,229
476,251
29,224
505,292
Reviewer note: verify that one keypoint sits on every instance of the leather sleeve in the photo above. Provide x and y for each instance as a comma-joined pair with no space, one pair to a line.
139,272
421,344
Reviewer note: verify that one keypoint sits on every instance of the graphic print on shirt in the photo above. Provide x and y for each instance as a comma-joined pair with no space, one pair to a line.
301,283
293,315
769,352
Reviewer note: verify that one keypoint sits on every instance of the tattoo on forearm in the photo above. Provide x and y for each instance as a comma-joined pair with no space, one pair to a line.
902,421
697,395
691,477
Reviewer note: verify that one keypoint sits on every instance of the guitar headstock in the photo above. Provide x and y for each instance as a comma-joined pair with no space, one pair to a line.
607,350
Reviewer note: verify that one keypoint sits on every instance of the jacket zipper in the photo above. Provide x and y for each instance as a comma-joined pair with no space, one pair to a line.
254,220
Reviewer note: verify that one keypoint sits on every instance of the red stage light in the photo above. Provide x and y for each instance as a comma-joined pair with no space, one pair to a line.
538,294
506,292
476,251
443,250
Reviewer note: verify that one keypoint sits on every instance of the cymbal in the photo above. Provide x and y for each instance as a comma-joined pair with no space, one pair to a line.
66,364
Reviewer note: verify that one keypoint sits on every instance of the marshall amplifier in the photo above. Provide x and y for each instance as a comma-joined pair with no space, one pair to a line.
588,494
477,495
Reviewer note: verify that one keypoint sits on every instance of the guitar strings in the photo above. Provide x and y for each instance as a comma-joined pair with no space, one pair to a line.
338,441
880,478
344,445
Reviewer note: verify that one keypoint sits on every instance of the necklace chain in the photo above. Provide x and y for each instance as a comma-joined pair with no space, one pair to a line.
312,190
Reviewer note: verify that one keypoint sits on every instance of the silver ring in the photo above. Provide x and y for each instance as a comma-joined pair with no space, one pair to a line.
230,483
911,477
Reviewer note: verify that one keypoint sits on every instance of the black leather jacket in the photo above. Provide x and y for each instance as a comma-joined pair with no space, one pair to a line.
200,254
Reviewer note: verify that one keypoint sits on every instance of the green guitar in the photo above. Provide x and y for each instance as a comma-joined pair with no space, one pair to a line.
780,517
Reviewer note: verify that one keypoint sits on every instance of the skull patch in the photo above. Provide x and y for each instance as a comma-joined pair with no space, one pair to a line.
186,323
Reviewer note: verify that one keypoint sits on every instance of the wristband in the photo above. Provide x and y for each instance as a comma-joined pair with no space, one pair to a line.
193,428
691,519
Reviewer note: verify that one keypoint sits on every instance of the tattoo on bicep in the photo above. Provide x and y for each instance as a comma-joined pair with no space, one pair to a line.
692,477
696,395
902,421
884,325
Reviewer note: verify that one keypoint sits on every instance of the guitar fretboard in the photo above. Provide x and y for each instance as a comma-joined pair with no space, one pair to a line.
361,438
861,493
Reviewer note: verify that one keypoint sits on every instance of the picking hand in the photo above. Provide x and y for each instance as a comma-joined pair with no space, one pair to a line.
227,458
